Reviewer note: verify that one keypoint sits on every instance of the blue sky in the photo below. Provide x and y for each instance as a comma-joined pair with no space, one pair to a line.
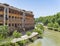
39,7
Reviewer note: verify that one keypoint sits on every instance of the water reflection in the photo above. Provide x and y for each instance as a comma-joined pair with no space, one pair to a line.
43,42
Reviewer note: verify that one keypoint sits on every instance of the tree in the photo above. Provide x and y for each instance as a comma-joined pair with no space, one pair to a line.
58,21
56,25
50,24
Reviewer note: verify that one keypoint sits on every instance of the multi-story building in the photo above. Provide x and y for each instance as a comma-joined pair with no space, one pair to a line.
16,19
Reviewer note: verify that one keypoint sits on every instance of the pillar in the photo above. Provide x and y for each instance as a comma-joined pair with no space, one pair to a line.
4,15
23,21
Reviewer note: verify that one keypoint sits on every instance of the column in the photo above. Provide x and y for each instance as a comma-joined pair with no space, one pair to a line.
23,21
4,15
7,16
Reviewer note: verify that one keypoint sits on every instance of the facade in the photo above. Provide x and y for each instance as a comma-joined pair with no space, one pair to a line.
16,19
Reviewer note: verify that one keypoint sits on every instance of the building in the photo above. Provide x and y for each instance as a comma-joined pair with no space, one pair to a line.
16,19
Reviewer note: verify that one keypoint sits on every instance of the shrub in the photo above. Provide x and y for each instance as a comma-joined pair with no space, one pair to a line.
56,29
3,31
51,28
56,25
39,26
5,44
22,43
16,44
59,29
50,24
31,39
28,33
16,34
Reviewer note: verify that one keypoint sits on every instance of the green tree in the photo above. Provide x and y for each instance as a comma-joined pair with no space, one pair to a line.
50,24
58,21
56,25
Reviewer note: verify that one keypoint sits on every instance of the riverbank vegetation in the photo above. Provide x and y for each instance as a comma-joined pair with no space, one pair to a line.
53,21
40,29
5,38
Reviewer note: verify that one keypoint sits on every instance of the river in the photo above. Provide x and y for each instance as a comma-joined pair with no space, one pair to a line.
50,38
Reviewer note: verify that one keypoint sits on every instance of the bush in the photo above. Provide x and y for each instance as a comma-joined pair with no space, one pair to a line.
9,44
28,33
51,28
31,39
56,25
56,29
39,26
16,44
5,44
3,31
50,24
59,29
16,34
22,43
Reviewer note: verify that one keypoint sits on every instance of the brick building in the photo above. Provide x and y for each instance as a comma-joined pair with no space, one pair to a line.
16,19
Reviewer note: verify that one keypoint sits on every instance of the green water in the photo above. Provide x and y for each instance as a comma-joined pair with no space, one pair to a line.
50,38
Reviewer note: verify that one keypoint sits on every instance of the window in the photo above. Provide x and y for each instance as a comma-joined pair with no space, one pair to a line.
9,24
1,15
1,24
21,13
6,17
20,17
9,11
1,8
12,16
15,25
9,16
12,24
15,17
18,24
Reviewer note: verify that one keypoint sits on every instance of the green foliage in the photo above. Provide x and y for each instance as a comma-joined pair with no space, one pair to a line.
58,21
59,29
16,44
28,33
39,28
56,25
50,24
22,43
16,34
10,44
53,22
3,32
50,28
49,19
31,39
55,29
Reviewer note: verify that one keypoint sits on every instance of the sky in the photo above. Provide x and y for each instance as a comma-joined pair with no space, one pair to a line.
38,7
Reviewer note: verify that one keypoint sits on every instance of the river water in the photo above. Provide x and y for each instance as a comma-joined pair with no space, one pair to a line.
50,38
43,42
